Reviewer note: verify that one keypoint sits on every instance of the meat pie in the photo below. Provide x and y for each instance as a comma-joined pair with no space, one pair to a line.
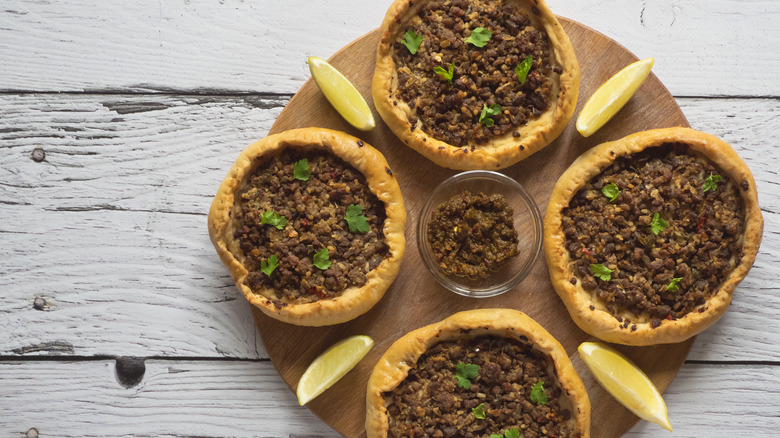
310,223
646,237
475,84
477,373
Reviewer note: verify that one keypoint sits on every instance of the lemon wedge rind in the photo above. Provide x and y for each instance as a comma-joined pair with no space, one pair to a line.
612,95
341,94
625,381
332,365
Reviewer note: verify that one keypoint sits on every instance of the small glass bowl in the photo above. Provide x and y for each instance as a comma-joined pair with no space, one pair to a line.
527,221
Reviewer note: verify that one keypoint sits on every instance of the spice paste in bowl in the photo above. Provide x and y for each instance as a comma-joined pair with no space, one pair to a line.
473,235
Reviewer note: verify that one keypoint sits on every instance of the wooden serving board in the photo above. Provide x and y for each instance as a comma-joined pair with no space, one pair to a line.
416,299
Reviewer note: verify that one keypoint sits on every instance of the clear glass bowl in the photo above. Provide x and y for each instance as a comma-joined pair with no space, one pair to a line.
527,221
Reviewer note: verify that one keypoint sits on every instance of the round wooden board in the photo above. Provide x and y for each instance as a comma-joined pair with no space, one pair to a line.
416,299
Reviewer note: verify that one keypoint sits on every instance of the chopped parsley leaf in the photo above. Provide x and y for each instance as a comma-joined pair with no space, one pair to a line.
301,170
601,271
658,224
538,395
268,267
674,285
479,36
509,433
711,183
479,411
356,220
512,433
445,74
321,259
487,112
412,41
523,68
464,373
611,191
273,219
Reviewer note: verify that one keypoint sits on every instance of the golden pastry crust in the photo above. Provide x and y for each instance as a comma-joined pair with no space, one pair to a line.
599,322
394,365
364,158
499,152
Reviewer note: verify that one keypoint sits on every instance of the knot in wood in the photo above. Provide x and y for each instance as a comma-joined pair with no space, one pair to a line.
38,154
129,371
39,303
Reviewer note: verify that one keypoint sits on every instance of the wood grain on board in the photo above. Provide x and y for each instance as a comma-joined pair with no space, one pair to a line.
415,299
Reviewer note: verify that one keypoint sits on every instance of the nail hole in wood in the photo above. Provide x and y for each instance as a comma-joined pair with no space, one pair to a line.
31,433
129,371
38,154
39,303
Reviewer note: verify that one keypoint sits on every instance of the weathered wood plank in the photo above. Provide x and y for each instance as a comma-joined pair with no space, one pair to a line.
702,47
110,228
151,153
114,282
119,251
248,399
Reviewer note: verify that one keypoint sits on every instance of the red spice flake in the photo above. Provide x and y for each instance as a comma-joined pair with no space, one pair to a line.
701,223
588,252
316,291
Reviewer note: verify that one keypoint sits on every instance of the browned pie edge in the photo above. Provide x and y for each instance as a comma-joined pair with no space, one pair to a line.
600,322
372,164
501,151
394,365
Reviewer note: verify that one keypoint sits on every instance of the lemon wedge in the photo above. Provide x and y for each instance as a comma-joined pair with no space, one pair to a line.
626,382
340,92
611,96
332,365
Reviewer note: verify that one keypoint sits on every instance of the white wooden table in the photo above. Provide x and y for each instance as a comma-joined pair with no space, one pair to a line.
140,108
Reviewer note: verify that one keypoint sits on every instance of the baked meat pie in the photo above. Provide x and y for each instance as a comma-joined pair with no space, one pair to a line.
477,373
310,223
475,84
646,237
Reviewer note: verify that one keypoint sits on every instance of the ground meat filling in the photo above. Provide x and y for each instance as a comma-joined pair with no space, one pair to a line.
315,212
430,403
482,75
667,275
471,235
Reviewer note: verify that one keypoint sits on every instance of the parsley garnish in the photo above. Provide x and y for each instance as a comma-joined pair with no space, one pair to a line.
523,68
538,395
509,433
479,36
274,219
487,112
711,183
512,433
445,74
601,271
301,170
658,224
464,373
611,191
355,219
269,266
412,41
674,285
321,259
479,411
